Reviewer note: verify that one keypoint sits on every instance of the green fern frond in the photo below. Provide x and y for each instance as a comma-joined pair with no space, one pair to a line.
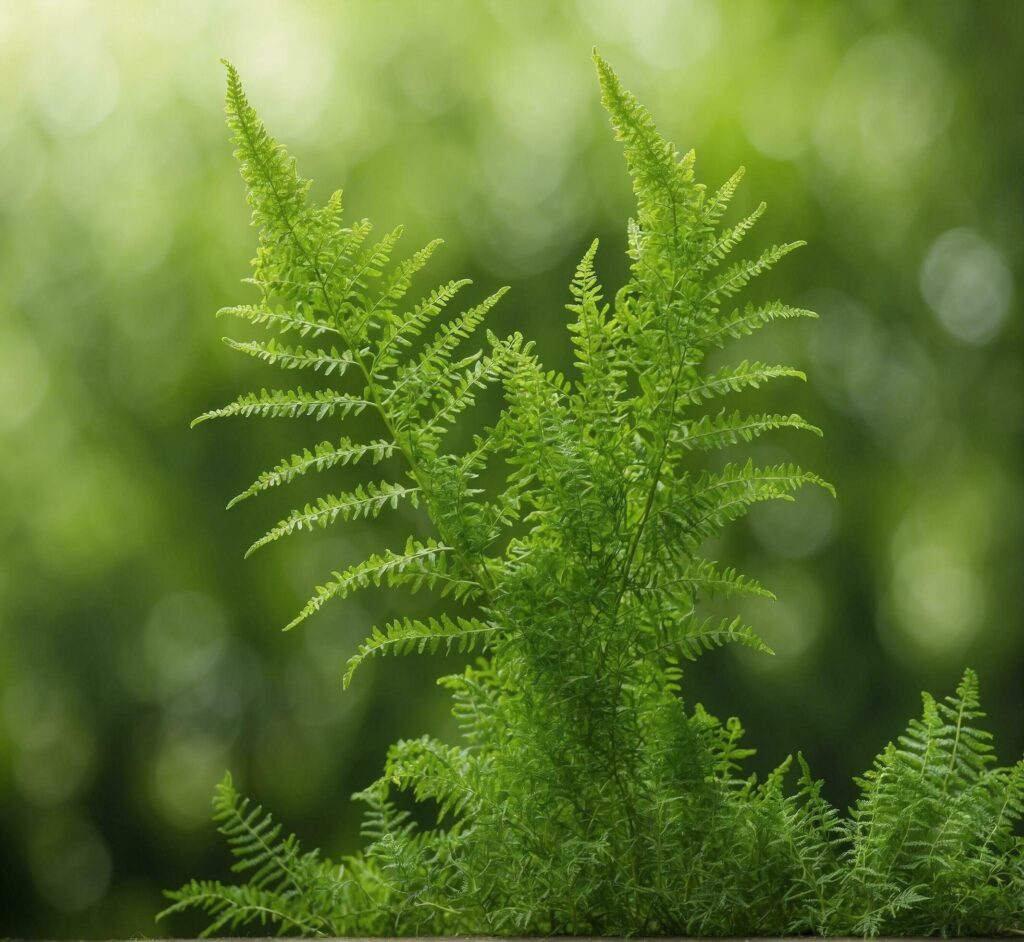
365,501
302,322
347,280
294,358
446,402
597,340
254,839
408,635
717,499
729,239
711,433
662,183
931,814
704,576
281,878
394,286
737,378
277,194
382,821
231,907
317,276
713,208
744,321
288,403
698,637
401,331
324,455
420,564
433,367
734,279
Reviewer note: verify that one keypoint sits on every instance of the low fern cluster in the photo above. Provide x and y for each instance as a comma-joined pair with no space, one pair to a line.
585,796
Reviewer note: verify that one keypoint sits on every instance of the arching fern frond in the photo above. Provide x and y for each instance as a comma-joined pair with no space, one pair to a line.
325,455
284,885
365,501
420,564
318,276
744,321
281,319
711,633
295,358
704,576
408,635
711,433
737,378
739,275
289,404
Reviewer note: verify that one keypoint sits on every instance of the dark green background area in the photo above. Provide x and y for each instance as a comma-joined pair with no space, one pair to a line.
140,657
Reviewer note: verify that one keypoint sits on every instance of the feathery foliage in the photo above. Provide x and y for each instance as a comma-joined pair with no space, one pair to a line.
586,797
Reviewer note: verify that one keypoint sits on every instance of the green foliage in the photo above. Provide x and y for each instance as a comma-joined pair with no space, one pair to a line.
931,846
586,798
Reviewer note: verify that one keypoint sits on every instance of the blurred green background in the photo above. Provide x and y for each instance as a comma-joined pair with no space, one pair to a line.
140,657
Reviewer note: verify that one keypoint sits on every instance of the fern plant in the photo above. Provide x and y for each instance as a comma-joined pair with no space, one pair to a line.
585,796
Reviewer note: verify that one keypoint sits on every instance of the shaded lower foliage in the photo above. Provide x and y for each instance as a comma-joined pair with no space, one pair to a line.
930,848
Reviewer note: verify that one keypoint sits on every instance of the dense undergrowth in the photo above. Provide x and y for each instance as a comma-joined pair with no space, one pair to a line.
586,796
